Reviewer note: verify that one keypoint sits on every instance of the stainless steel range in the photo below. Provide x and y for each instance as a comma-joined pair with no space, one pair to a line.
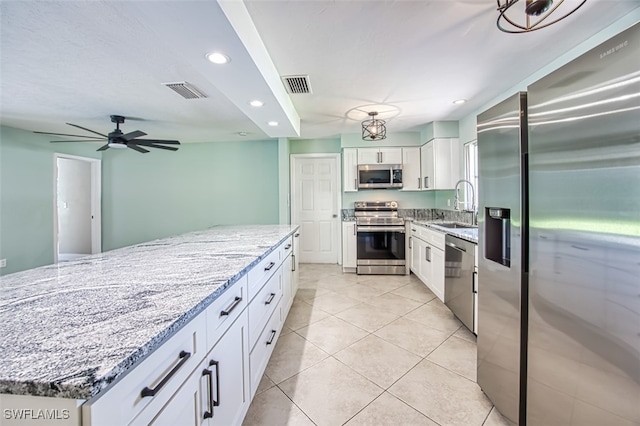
380,238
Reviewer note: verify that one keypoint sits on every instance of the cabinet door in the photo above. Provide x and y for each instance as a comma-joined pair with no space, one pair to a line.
188,404
349,245
228,386
411,169
296,263
447,163
427,161
437,272
391,155
350,168
287,282
368,156
417,247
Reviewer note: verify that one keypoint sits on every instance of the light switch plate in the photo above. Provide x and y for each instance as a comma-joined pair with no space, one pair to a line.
3,263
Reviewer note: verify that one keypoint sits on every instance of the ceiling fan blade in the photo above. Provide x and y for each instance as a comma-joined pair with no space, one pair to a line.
103,148
88,130
133,135
65,134
137,148
87,140
150,145
162,141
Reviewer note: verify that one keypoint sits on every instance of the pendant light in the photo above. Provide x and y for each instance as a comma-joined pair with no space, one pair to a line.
373,129
532,15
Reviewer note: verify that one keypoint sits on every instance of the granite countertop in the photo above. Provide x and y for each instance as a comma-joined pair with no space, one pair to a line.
468,234
71,329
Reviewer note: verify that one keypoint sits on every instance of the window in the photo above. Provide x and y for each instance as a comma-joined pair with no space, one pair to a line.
471,172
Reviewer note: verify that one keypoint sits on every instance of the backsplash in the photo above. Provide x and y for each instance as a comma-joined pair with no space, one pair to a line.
423,214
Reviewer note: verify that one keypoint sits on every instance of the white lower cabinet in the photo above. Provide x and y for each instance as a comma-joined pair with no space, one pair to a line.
349,247
427,258
217,392
208,372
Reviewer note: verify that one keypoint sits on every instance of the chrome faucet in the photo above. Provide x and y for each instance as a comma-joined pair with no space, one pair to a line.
456,204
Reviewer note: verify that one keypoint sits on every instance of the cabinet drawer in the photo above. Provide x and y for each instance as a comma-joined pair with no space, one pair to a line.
261,353
434,238
263,305
159,375
225,309
260,273
286,248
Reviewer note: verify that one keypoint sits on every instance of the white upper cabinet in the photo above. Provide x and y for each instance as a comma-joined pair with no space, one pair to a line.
411,169
350,167
440,160
380,156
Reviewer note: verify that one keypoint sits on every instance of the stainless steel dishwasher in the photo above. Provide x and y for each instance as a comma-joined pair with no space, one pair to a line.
458,278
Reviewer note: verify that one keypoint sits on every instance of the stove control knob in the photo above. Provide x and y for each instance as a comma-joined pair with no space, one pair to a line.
393,204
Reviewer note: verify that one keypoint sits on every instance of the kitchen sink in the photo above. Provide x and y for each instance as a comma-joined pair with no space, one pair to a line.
456,226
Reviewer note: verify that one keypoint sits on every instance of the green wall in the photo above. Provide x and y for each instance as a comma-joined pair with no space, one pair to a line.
143,196
313,146
26,196
203,184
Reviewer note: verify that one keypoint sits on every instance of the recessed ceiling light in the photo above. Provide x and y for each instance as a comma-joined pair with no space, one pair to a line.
256,103
218,58
273,123
460,101
242,133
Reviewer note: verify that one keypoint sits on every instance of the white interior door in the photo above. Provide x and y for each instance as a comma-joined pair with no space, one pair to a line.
77,224
315,192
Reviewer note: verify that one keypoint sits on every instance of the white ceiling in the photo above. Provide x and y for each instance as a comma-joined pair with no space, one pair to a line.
79,62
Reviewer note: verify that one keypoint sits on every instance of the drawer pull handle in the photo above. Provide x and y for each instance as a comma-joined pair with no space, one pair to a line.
231,307
209,413
184,356
271,265
273,336
270,299
287,247
293,262
212,402
296,235
212,363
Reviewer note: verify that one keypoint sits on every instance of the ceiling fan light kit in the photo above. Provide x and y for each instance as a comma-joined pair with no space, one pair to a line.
374,129
533,15
117,139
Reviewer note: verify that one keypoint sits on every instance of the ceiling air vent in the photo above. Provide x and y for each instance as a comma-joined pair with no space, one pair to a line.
185,90
297,83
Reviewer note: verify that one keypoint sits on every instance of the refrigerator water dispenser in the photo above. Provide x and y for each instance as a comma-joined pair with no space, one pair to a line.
497,244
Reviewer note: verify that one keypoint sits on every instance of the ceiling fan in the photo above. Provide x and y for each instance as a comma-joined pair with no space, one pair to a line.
117,139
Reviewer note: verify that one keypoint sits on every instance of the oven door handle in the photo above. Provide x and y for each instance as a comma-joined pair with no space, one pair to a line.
378,228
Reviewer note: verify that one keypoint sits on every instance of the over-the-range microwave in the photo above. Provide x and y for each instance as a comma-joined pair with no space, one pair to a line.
379,176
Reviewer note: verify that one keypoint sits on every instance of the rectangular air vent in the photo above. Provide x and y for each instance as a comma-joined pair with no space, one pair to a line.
297,83
186,90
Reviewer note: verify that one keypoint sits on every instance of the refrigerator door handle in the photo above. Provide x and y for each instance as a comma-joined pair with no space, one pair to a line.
474,282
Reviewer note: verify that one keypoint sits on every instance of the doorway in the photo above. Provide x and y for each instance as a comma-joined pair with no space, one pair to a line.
316,205
77,229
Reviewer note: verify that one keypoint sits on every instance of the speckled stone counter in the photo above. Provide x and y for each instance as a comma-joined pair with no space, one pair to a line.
68,330
468,234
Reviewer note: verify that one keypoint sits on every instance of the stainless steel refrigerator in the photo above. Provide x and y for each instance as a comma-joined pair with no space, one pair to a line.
559,244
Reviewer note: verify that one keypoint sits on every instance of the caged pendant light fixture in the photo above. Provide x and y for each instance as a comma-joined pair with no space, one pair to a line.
374,129
522,16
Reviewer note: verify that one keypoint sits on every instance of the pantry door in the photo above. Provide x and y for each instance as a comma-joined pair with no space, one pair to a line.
315,206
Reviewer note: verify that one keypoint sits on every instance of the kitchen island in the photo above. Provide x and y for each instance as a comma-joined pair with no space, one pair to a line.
71,330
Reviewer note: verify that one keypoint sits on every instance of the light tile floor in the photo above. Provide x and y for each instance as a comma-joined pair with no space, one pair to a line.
370,350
